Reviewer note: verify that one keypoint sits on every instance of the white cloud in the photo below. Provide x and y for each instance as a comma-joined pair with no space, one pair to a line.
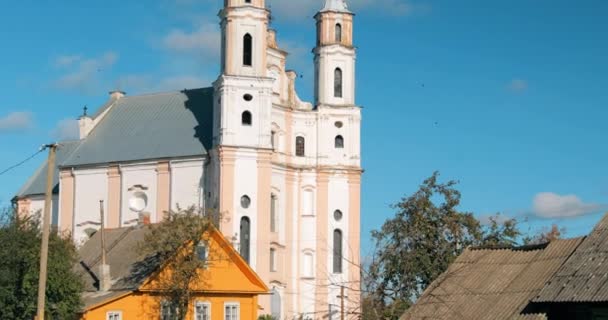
204,40
83,75
518,85
66,129
17,121
552,205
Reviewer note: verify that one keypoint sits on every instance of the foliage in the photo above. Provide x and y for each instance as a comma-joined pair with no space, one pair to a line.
546,235
20,239
174,243
420,242
266,317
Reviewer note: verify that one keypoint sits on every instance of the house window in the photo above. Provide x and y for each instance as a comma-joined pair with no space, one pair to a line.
201,251
246,118
338,83
165,311
202,311
339,142
245,238
247,50
114,315
337,251
273,213
273,260
231,311
300,146
338,33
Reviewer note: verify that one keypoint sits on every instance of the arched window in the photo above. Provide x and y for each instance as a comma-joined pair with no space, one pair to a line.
247,49
245,238
247,1
337,251
339,142
338,83
246,118
275,304
300,147
338,33
273,213
273,260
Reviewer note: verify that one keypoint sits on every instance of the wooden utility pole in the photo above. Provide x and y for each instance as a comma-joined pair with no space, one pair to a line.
46,226
102,234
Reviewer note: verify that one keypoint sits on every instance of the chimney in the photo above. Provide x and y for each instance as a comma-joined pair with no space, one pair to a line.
117,94
105,279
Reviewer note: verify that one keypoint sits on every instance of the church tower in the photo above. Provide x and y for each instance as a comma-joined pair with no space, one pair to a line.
335,55
241,153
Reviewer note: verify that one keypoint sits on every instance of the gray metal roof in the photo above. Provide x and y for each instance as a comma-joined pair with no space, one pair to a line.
164,125
36,184
492,283
584,277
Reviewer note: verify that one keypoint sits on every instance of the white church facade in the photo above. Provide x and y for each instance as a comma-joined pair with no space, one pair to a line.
284,174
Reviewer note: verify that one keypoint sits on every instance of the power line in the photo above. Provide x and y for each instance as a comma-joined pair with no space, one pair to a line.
24,161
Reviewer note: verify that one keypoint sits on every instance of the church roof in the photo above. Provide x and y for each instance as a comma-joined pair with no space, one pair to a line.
164,125
335,6
36,184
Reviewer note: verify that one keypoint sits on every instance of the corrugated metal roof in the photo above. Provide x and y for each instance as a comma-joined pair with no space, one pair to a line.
584,277
492,283
166,125
36,184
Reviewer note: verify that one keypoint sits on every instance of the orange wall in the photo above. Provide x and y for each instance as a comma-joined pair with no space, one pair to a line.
146,306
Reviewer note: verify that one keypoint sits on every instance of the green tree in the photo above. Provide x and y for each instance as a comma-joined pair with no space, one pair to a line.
420,242
174,244
20,239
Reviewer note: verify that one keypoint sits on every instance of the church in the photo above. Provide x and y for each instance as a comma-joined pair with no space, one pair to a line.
284,174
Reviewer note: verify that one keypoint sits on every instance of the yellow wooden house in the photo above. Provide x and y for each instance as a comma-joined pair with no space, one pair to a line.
228,288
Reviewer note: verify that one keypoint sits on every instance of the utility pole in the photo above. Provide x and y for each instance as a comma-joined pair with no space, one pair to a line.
46,225
342,297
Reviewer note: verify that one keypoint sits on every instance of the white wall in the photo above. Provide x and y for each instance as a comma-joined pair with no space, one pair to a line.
37,207
187,183
91,186
246,183
133,176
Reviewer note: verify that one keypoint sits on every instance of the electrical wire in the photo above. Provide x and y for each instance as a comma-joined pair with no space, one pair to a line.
24,161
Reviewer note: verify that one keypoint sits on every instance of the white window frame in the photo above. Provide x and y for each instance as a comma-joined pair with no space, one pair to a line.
165,304
202,303
238,310
113,314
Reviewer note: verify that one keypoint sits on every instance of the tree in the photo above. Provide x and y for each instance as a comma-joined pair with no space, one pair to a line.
546,235
174,243
20,239
420,242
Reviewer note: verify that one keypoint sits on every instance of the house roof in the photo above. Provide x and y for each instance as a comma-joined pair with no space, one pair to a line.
164,125
36,184
130,269
511,278
584,277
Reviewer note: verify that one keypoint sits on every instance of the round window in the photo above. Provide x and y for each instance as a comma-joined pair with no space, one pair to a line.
338,124
338,215
138,201
245,202
248,97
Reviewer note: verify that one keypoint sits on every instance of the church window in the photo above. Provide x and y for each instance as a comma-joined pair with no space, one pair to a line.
339,142
245,201
245,238
247,97
300,147
337,251
273,260
338,33
308,262
247,50
247,1
338,83
338,215
246,118
273,139
273,213
275,304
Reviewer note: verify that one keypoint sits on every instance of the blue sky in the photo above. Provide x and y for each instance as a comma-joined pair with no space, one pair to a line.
508,97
